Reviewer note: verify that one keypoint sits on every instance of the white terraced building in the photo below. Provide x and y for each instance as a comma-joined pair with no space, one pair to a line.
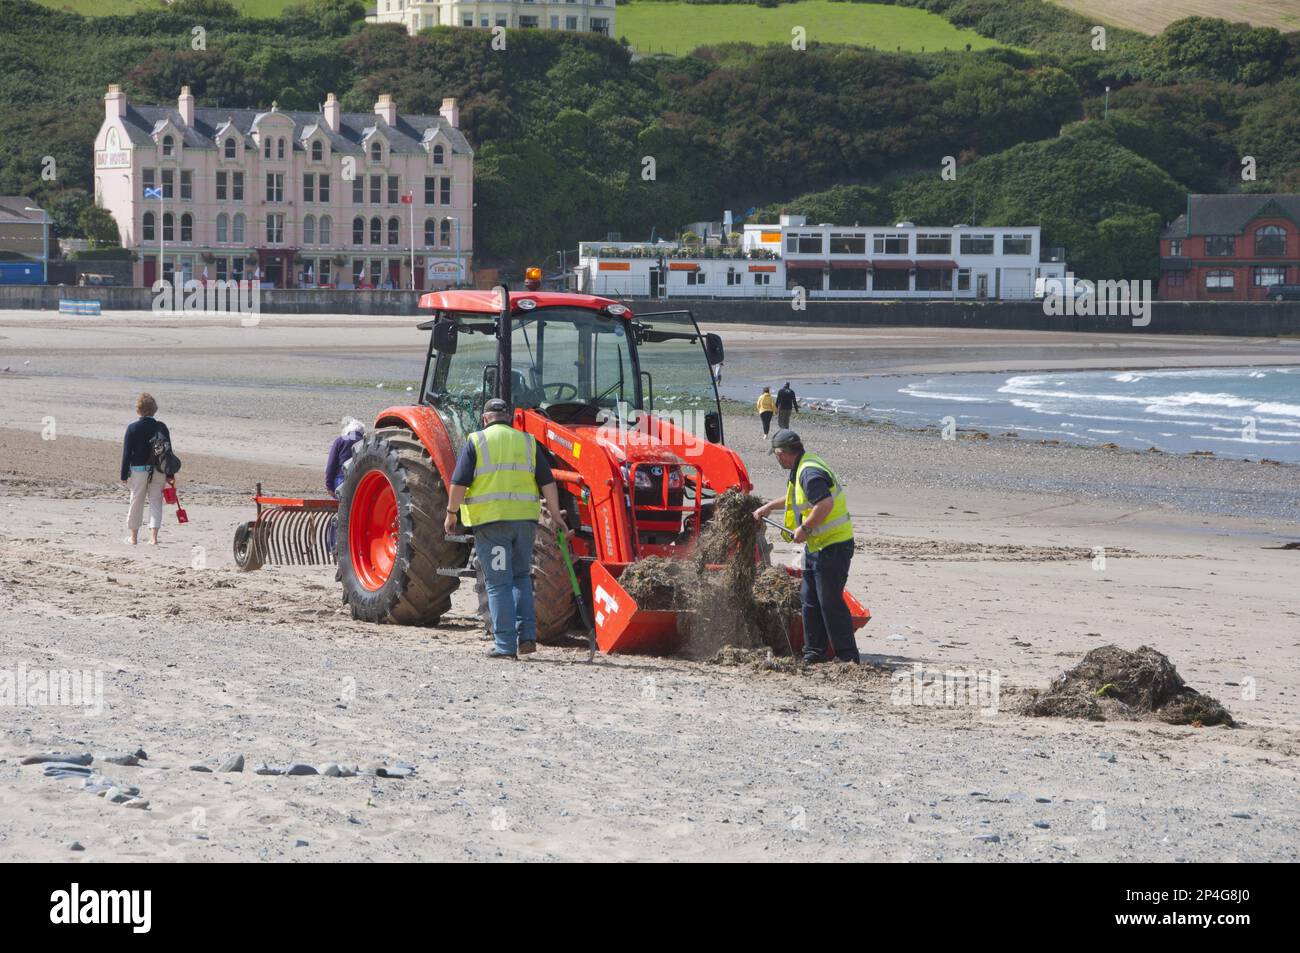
586,16
829,261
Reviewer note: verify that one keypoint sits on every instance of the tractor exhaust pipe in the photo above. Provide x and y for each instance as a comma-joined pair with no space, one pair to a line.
504,380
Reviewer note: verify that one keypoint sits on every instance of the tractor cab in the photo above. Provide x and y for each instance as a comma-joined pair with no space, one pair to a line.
574,359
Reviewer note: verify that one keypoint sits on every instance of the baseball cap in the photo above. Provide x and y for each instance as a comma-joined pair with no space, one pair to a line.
785,438
496,406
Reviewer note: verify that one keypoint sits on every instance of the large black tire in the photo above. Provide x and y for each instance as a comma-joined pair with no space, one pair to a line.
413,593
552,592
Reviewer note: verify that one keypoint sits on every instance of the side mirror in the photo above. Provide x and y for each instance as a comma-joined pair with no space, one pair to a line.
445,334
713,349
713,427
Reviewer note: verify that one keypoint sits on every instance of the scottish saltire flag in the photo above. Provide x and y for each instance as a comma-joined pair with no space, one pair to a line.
153,193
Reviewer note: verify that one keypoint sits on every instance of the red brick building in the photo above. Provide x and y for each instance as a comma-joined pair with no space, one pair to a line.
1231,248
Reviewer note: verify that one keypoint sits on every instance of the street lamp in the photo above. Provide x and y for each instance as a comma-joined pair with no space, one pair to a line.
45,243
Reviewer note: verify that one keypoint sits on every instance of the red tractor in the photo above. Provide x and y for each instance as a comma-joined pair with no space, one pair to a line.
627,411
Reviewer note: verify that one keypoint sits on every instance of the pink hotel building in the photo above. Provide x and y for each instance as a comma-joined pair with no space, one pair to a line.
297,199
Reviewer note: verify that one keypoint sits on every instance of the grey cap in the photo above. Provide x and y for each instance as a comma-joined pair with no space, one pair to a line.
496,406
785,438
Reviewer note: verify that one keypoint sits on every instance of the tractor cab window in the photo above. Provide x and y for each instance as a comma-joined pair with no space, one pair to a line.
677,380
577,361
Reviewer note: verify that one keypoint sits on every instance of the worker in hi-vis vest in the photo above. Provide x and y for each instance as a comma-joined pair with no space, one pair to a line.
817,515
499,475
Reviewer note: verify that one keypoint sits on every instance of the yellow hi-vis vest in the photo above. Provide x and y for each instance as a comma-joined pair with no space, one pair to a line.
837,527
504,487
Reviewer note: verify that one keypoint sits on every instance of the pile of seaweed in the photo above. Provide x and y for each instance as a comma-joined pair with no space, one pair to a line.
1112,683
743,604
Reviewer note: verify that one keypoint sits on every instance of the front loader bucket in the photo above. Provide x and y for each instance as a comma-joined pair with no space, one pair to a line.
622,625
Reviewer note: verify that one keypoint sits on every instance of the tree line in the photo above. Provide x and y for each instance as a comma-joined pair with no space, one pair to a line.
574,137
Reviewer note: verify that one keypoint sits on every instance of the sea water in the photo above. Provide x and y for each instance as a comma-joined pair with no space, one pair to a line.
1247,412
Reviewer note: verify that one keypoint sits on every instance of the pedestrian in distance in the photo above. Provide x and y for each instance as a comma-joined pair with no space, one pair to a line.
766,407
786,403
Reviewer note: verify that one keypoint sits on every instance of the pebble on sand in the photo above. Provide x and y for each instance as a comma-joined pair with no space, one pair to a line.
75,845
232,765
57,757
138,802
267,769
124,758
299,769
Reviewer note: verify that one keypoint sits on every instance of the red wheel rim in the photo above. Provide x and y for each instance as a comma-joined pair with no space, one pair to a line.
372,530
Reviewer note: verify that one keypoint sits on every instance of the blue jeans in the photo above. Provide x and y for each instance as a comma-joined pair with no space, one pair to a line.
505,551
826,617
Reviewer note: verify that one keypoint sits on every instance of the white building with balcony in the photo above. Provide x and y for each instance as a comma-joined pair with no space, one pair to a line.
584,16
828,261
294,199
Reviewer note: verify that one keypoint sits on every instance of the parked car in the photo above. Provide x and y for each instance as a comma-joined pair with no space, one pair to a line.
1284,293
89,280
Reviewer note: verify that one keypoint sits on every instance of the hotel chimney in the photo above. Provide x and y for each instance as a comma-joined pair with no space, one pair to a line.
450,112
114,102
386,108
332,112
185,106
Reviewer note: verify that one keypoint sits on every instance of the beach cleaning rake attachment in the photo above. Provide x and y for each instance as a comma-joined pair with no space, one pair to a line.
288,531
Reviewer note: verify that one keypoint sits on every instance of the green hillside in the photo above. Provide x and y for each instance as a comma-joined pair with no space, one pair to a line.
654,27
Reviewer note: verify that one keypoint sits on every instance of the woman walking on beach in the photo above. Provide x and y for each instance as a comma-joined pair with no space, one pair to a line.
766,408
139,473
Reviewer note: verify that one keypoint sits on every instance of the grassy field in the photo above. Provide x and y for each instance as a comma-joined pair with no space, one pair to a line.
682,27
106,8
678,28
1152,16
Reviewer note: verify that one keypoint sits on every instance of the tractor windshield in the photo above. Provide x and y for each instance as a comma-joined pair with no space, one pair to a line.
559,356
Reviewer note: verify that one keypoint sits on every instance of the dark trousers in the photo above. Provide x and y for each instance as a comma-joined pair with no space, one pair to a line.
825,615
766,417
783,418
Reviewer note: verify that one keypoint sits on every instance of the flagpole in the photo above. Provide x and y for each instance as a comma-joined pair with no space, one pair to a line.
411,195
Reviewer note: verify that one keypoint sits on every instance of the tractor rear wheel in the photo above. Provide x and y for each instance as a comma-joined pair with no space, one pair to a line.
390,536
552,593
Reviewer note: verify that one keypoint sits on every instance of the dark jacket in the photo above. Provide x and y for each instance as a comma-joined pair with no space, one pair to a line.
785,399
137,447
340,453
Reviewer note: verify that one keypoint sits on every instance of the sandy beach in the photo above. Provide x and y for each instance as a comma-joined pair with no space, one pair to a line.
982,553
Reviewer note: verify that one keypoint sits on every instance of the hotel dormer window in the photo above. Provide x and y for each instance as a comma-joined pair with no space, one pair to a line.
279,149
376,152
230,147
266,148
317,151
439,155
1270,240
168,146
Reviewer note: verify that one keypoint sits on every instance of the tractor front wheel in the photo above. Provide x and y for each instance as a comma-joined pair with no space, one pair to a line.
390,540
